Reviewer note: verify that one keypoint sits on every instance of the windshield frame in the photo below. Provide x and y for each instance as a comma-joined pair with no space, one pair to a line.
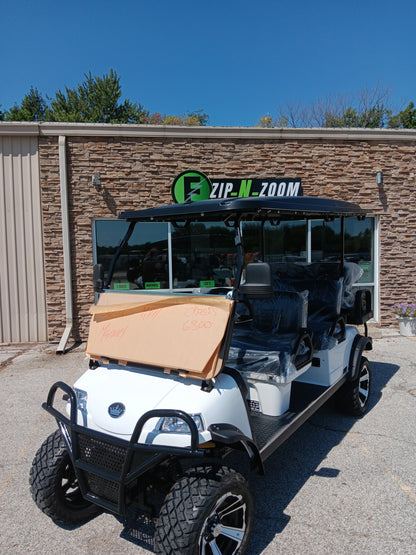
234,211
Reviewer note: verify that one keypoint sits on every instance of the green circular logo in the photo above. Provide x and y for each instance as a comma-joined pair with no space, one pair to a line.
191,185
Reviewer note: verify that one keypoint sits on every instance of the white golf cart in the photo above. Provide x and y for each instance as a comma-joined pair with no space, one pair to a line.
238,350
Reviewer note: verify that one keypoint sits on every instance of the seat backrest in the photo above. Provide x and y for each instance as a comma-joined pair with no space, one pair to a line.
259,282
321,279
293,310
285,312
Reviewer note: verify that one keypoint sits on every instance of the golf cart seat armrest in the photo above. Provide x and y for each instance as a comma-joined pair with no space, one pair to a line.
338,329
361,312
303,350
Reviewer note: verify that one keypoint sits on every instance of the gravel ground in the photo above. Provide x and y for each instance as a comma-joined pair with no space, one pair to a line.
338,485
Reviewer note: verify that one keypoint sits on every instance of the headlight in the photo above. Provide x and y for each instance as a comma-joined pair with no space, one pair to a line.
174,425
82,397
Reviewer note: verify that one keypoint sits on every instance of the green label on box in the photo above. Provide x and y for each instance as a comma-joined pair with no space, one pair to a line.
152,285
207,283
124,286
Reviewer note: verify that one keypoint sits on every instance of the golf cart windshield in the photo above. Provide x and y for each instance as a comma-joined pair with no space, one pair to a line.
194,245
161,256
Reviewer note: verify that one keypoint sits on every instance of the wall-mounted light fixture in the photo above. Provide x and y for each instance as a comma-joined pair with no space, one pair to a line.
96,180
379,178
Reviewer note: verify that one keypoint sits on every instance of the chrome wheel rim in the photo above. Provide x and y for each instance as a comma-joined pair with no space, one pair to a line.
364,386
225,528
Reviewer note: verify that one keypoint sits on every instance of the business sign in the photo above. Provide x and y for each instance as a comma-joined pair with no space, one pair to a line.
192,185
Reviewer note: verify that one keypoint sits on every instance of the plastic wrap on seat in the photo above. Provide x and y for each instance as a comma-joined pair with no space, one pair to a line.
352,273
298,276
326,289
322,338
324,312
266,314
264,363
264,347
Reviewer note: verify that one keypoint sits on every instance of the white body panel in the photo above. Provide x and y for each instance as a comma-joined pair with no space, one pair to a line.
273,399
270,394
333,362
143,390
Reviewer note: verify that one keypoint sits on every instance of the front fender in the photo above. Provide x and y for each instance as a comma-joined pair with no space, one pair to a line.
361,343
225,434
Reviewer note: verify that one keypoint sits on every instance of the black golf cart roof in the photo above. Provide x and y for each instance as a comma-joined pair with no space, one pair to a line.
257,208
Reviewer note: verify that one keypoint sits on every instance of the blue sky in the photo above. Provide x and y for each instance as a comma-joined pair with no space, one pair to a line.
235,60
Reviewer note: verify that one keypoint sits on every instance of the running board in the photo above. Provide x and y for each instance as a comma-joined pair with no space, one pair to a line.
271,431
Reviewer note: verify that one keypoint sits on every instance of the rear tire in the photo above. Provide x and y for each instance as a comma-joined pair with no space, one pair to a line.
53,484
354,396
208,510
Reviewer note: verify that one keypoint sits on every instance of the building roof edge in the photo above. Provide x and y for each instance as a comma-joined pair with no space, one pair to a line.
170,131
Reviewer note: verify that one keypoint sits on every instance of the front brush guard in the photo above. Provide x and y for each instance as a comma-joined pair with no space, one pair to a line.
107,466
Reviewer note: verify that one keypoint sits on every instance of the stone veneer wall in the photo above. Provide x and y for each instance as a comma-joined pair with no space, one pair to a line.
136,172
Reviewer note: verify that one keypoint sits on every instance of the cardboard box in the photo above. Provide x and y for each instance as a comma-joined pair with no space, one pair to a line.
173,332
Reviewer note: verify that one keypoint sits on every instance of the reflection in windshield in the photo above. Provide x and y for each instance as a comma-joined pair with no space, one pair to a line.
203,254
143,262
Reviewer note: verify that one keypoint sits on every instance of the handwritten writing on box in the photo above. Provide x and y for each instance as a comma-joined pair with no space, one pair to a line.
200,318
182,336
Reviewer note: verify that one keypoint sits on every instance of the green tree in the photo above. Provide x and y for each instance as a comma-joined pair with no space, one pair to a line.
374,117
97,100
196,118
32,108
406,119
267,121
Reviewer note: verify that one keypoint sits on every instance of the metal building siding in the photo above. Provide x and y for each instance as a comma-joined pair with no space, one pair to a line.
22,282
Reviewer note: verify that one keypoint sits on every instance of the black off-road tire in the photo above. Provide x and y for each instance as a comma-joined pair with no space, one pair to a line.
354,396
206,505
53,485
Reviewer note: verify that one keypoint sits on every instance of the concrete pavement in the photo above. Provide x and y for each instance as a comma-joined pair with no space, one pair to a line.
338,485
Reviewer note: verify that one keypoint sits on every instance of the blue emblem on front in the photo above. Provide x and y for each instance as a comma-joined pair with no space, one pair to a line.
115,410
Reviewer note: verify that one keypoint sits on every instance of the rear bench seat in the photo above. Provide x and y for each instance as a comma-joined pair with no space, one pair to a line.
325,287
272,345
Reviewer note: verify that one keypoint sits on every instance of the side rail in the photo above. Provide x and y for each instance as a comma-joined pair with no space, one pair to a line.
107,467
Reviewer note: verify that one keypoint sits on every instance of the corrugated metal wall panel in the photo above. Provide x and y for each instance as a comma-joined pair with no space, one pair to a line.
22,283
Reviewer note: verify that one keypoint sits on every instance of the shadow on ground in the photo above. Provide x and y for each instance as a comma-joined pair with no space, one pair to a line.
287,471
289,468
